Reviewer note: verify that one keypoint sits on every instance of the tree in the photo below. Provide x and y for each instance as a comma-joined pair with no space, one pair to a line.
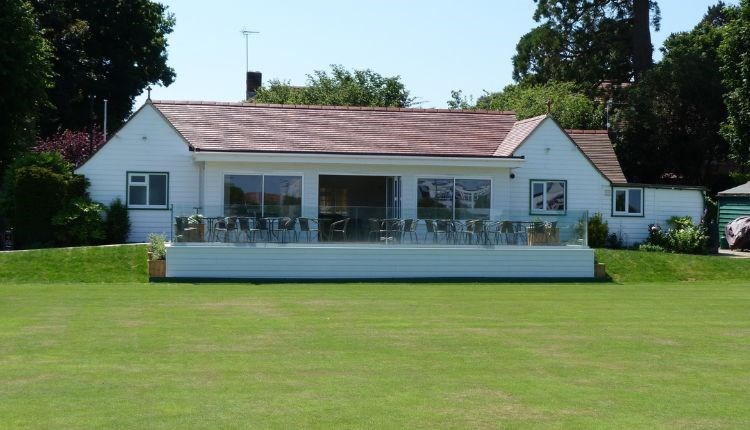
459,100
570,107
75,146
587,41
668,128
103,49
25,74
340,88
47,204
735,71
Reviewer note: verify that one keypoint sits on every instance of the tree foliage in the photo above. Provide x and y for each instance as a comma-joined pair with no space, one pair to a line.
668,126
587,41
339,88
75,146
735,72
48,205
104,49
570,107
35,189
24,76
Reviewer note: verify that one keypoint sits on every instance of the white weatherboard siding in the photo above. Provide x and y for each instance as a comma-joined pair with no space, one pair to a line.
145,144
550,154
293,261
660,204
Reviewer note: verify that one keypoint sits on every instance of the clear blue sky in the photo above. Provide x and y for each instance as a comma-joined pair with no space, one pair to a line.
435,46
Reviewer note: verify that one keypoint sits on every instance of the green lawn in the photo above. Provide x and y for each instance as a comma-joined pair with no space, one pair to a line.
104,349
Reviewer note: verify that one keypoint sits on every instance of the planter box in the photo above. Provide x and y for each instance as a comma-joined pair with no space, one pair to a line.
157,268
548,236
195,233
600,271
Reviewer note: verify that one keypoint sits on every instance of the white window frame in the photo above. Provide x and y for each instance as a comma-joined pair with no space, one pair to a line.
627,212
263,175
453,179
545,210
147,186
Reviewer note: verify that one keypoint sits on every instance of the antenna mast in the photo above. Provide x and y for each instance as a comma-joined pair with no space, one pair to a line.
247,33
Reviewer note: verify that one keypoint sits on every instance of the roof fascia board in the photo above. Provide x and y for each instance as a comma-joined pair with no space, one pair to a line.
660,186
394,160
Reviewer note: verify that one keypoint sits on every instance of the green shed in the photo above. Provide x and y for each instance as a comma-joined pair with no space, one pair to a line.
733,203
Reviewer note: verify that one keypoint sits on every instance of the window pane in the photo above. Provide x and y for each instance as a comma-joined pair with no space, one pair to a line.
242,195
157,190
472,198
619,200
435,198
136,195
556,196
282,196
138,178
537,195
634,201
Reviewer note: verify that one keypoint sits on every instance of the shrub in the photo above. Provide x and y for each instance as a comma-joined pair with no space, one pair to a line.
613,241
688,240
37,197
79,223
682,237
597,231
117,224
157,247
680,222
38,187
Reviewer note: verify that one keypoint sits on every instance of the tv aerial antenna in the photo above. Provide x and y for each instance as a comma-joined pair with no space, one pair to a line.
247,34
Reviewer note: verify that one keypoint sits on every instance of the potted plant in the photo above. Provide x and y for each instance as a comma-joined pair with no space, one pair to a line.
157,253
537,232
196,230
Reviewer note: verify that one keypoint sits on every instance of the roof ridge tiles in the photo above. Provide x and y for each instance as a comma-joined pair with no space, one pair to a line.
329,107
582,131
533,118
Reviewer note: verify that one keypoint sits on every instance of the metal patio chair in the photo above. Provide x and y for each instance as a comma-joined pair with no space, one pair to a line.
246,228
338,228
410,229
306,226
431,230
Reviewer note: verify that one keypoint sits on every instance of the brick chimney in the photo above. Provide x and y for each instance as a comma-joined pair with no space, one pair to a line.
254,81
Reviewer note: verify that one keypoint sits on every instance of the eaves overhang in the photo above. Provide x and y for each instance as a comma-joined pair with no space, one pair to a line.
362,159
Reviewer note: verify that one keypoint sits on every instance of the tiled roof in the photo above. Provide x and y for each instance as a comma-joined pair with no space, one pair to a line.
250,127
518,134
596,145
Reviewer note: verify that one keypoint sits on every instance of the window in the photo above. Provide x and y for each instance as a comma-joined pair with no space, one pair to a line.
263,195
447,198
627,201
548,196
148,190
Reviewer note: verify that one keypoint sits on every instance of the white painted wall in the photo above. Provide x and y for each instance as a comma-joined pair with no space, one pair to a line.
146,143
551,155
659,205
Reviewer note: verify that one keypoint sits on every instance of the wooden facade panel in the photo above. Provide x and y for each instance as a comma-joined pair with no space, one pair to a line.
362,262
659,205
147,144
